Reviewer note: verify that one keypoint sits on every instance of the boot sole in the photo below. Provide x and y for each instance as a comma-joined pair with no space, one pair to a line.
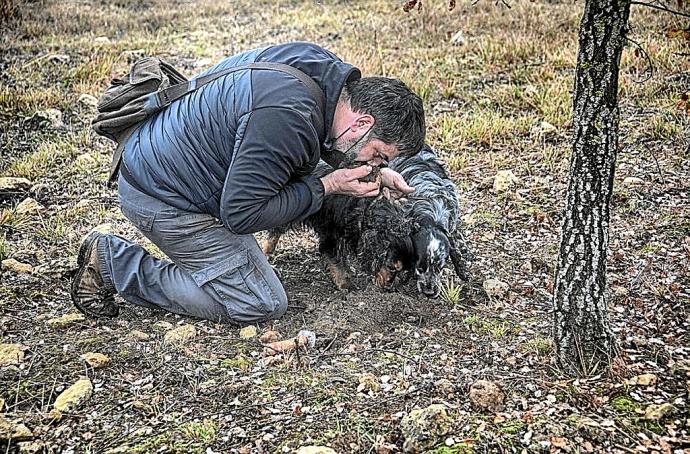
85,249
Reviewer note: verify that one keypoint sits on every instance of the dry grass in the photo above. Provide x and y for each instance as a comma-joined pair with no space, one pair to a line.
484,99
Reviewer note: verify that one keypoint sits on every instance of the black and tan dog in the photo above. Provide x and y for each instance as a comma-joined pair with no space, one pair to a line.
433,212
371,230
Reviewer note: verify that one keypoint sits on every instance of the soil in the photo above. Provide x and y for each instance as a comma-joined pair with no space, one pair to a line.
217,393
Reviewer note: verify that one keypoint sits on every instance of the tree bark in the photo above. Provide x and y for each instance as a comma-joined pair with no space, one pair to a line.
582,335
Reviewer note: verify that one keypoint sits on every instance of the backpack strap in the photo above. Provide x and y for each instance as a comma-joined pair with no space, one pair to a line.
165,97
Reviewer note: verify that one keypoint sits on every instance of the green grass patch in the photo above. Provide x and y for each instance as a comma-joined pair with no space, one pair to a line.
623,404
457,448
540,345
451,292
47,158
25,102
54,228
511,427
487,326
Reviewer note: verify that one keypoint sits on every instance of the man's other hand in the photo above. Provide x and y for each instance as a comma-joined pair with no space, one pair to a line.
346,182
395,182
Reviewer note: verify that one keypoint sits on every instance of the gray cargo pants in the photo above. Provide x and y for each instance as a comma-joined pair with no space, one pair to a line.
214,274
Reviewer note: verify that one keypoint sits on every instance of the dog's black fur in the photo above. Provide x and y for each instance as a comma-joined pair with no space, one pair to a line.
371,229
433,211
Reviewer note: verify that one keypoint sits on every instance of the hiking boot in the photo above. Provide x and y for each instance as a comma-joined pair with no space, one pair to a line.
90,294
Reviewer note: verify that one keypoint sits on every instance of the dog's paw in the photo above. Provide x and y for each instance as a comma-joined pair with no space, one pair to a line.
341,278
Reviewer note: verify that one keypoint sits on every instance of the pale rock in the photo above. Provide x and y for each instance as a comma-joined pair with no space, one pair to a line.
544,127
2,404
248,332
119,450
74,396
424,428
33,447
269,336
179,335
14,184
95,360
504,180
163,325
487,395
83,204
496,288
52,116
643,380
17,267
444,386
11,355
316,450
88,101
104,228
620,291
658,412
633,181
368,382
28,206
101,41
66,320
86,160
133,55
458,39
203,62
13,430
139,335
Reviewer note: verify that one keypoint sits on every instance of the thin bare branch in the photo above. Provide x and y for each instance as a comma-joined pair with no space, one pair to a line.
650,66
661,8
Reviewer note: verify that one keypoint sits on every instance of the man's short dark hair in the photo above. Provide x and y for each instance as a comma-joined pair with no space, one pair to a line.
398,112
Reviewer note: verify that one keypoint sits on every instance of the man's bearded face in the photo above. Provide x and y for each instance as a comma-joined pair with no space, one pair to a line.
352,149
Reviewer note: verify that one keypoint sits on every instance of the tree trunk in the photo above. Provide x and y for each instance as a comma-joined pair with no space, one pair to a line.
582,334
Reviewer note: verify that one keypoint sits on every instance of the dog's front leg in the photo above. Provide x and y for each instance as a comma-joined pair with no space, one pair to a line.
335,261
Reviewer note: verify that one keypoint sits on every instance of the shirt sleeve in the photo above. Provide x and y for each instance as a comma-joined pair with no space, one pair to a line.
262,189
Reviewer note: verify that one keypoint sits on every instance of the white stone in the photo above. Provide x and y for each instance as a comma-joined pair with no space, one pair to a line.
496,288
458,39
11,355
101,41
88,101
74,396
17,267
505,180
633,181
52,116
28,206
544,127
13,184
180,335
13,430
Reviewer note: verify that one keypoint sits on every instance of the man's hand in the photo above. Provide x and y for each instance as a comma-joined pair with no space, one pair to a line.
395,182
346,182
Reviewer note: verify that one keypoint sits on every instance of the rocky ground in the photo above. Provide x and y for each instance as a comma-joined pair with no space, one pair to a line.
389,372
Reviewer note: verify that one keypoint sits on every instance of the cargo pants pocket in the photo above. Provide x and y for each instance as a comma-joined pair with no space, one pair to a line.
240,287
140,217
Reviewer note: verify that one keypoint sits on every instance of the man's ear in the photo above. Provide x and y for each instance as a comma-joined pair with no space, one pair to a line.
362,123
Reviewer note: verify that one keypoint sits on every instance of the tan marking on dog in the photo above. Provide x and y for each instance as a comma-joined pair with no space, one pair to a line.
382,277
341,277
270,244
